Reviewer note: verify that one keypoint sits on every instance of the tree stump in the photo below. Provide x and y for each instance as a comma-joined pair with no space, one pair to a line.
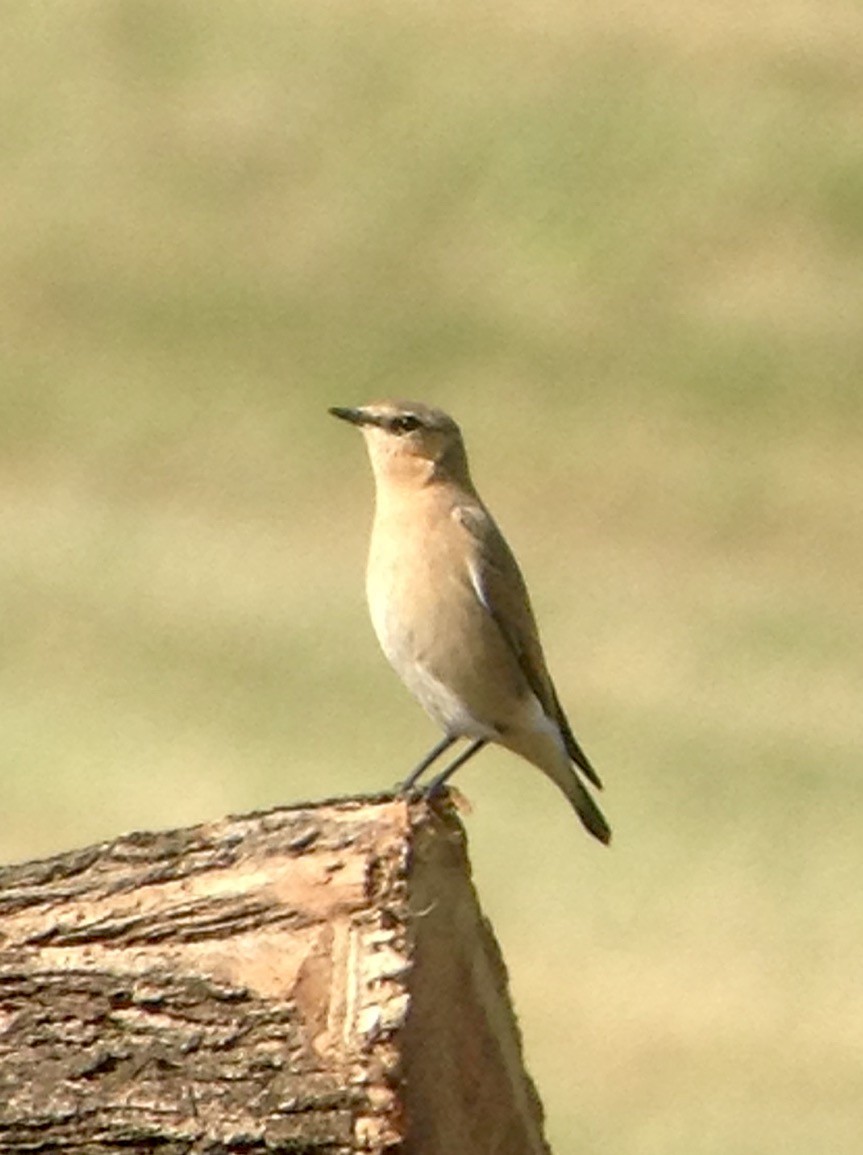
314,979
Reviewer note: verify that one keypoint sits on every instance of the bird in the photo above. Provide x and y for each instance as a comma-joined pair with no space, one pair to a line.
451,610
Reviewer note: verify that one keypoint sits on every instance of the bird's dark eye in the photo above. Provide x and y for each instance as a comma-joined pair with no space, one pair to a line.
407,423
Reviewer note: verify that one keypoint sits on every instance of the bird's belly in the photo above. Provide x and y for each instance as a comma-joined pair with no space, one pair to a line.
445,646
451,712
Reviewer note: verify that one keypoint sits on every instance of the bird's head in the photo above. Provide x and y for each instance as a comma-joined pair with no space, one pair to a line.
407,440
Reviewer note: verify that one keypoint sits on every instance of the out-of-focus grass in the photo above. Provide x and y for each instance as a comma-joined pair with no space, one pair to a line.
625,248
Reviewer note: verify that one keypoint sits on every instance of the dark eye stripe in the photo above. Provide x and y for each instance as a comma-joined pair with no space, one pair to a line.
405,424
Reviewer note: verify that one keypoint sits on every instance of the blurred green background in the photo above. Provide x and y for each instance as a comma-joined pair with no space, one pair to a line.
624,245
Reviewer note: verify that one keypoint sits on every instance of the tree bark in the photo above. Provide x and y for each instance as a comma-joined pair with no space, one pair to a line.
316,979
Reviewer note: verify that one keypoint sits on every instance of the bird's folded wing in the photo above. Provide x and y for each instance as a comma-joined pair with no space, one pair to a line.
500,588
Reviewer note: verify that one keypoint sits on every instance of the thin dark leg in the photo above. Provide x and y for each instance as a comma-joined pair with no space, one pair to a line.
439,781
421,767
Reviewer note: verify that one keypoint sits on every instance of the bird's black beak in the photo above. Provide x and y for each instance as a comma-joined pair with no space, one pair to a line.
355,416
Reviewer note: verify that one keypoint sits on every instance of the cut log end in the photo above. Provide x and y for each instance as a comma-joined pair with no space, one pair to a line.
317,978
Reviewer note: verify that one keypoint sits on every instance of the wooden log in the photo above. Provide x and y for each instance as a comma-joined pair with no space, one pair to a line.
316,979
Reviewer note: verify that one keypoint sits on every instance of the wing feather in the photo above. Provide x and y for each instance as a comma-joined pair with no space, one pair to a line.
500,589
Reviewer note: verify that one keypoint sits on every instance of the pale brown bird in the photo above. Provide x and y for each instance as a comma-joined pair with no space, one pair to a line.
450,607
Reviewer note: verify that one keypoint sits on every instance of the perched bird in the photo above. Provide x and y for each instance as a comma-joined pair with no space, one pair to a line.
450,607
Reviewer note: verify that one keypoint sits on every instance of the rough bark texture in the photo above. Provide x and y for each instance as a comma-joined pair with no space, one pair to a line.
316,979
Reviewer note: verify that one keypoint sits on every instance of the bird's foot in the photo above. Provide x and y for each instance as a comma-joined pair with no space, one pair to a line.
434,789
409,790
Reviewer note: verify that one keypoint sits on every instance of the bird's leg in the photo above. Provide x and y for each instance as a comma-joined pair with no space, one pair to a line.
439,781
421,767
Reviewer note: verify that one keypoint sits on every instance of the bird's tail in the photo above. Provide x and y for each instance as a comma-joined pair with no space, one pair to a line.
545,748
591,816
